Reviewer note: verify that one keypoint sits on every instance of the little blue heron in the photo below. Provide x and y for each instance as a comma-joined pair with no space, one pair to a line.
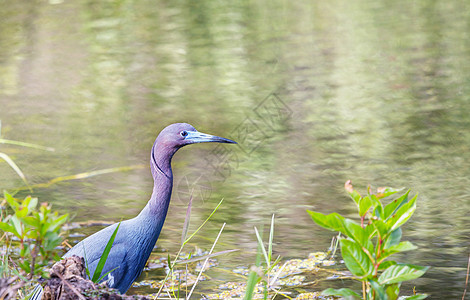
136,237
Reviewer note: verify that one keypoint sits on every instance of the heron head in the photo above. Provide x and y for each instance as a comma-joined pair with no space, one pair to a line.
178,135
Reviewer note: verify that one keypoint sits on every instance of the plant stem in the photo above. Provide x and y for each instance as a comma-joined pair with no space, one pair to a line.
466,280
379,251
205,262
33,260
364,290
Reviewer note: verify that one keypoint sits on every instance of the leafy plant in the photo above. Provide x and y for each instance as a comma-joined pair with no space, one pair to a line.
368,245
37,230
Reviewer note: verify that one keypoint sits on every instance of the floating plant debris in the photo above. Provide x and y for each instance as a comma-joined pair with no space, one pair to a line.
284,278
178,279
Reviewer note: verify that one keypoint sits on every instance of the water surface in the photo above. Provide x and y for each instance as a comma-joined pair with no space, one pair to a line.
315,92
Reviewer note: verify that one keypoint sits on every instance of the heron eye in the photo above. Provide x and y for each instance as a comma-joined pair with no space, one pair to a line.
184,133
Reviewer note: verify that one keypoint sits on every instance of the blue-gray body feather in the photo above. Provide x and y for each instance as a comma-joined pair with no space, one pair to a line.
131,249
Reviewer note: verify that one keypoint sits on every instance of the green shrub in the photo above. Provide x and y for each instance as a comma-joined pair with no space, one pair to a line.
367,246
35,229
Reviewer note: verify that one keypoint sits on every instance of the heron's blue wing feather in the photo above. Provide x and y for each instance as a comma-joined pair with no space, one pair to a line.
128,255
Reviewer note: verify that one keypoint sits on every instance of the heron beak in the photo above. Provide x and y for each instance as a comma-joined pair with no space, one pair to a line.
199,137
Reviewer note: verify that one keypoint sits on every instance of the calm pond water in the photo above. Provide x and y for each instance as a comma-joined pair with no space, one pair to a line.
316,92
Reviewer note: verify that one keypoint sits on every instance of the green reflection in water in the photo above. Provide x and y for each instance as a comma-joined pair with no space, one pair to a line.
378,92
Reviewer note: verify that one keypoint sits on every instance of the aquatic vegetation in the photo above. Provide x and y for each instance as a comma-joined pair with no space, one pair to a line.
179,279
260,273
184,240
281,279
292,274
366,247
268,278
311,296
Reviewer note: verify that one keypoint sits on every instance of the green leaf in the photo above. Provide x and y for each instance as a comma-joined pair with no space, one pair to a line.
21,212
352,192
378,208
395,204
392,291
384,265
7,227
386,191
33,234
402,247
25,266
401,272
32,203
359,234
17,224
25,251
364,205
44,228
346,293
104,256
402,214
370,231
58,222
357,261
332,221
381,227
379,290
11,201
393,239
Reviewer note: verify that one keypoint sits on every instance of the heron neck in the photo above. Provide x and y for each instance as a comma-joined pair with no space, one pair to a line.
160,165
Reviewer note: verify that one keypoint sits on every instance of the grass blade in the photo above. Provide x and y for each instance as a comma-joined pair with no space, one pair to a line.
171,266
186,220
94,173
276,276
466,280
250,285
87,270
253,277
82,176
213,212
104,275
205,262
271,235
187,261
23,144
104,256
15,168
260,244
